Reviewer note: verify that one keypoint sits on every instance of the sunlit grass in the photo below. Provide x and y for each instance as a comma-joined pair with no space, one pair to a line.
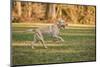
75,48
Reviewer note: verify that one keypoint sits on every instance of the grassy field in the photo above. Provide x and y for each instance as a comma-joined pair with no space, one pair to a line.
79,45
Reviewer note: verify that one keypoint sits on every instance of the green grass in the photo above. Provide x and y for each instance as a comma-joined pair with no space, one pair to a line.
79,45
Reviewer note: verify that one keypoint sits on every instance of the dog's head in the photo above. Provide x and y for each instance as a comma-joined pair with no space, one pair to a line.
61,24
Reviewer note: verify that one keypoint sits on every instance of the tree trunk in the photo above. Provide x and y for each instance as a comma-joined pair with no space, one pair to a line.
52,11
29,10
73,14
59,11
19,8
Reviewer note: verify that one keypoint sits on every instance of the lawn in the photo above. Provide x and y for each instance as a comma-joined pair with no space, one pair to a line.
79,45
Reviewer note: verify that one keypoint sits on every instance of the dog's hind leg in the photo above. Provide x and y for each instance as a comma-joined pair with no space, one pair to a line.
42,41
34,41
40,37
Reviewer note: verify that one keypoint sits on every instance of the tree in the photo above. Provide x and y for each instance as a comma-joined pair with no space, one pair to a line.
29,9
18,4
52,11
59,11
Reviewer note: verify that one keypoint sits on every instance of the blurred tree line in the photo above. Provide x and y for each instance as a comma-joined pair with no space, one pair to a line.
36,12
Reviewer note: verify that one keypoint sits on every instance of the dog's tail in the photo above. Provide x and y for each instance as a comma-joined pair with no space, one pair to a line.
29,31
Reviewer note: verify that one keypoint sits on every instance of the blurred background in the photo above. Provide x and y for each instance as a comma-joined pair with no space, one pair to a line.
30,12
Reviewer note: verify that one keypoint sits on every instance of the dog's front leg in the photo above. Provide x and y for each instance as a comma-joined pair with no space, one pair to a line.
58,37
40,37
